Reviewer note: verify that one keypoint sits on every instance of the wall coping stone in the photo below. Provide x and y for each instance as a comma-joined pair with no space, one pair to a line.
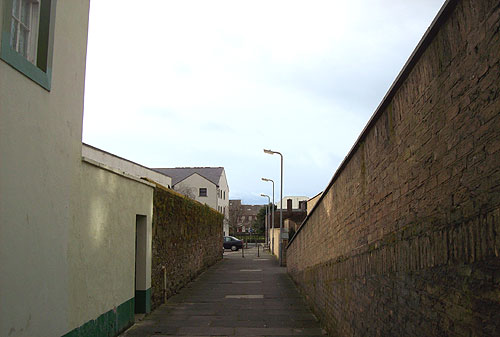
441,18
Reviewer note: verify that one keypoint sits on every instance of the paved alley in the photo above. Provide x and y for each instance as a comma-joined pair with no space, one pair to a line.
250,296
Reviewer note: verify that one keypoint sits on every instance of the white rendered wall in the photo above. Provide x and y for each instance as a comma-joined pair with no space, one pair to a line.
40,157
101,250
295,201
125,165
224,201
195,182
274,235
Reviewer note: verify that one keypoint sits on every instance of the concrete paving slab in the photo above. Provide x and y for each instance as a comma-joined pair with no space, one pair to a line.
250,296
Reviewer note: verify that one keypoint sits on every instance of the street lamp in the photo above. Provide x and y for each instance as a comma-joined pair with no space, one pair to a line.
267,222
272,215
281,206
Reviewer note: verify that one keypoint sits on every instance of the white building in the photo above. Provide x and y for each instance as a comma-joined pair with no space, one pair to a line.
75,234
207,185
296,201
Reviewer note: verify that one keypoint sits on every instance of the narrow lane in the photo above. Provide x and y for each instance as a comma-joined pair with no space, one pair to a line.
250,296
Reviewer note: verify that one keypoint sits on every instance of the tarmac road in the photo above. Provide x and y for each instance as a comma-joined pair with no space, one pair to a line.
250,296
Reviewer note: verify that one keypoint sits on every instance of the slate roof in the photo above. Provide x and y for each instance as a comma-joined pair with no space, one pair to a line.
178,174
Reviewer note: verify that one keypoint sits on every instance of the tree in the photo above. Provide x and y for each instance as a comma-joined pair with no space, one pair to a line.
187,191
235,214
260,222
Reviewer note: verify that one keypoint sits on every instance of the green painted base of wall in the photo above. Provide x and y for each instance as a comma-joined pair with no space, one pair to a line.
108,324
143,301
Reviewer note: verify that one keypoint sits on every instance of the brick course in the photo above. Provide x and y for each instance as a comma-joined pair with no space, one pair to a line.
408,229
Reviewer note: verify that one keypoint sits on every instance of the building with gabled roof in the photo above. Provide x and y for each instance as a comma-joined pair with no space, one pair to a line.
242,216
207,185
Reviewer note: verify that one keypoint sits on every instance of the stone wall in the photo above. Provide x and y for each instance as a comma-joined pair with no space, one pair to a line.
405,239
187,238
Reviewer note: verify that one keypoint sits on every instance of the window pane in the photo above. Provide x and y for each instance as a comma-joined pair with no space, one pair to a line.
23,42
13,34
15,8
25,12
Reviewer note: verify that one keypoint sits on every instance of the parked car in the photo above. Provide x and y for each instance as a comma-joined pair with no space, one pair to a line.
230,242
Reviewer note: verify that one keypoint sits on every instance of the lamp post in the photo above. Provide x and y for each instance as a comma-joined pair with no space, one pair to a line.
281,207
267,222
272,216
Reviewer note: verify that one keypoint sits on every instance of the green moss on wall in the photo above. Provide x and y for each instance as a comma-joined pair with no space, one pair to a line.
187,238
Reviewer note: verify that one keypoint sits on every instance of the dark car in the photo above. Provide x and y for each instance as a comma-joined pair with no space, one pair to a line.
230,242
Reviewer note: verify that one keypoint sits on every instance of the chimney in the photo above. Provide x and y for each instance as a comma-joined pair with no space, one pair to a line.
289,206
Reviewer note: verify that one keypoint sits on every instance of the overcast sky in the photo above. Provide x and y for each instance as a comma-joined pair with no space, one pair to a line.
213,83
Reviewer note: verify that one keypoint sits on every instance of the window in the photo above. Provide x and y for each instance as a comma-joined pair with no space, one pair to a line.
24,28
27,38
224,195
203,192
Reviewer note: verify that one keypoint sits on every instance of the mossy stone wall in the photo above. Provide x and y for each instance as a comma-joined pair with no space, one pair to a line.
187,239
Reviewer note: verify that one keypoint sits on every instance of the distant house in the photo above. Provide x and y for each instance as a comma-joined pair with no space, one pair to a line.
207,185
297,202
294,211
242,216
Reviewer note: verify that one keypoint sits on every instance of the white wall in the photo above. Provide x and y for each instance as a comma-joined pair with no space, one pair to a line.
295,201
195,182
40,156
274,233
67,227
224,201
125,165
101,251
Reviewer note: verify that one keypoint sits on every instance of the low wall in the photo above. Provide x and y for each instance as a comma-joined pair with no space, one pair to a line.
187,238
101,252
274,233
405,240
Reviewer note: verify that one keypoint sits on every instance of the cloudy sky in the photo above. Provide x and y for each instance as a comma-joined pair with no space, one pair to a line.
213,83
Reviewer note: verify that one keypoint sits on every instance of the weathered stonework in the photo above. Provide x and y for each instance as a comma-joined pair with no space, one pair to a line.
187,238
407,235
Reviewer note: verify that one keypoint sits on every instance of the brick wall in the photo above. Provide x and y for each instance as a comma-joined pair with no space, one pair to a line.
405,239
187,238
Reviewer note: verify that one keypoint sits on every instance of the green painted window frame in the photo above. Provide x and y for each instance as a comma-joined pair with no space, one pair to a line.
40,73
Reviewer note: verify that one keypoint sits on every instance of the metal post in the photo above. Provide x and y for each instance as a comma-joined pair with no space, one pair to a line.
272,217
266,230
271,239
281,214
267,222
280,240
164,283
